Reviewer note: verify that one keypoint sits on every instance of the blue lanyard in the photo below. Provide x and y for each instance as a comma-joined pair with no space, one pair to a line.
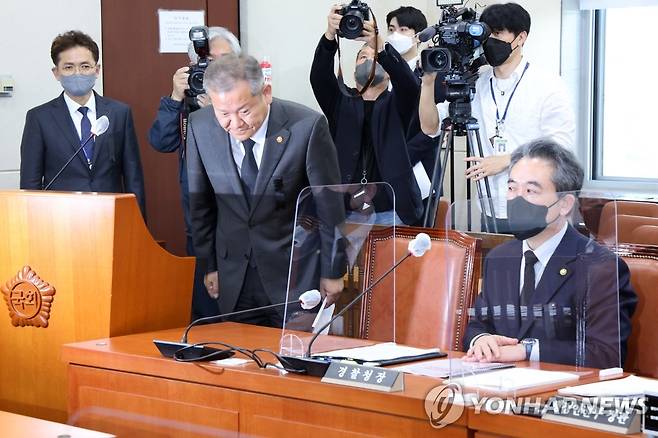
493,96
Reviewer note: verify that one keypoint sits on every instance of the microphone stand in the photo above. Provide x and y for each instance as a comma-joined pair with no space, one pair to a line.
224,315
190,351
69,161
318,367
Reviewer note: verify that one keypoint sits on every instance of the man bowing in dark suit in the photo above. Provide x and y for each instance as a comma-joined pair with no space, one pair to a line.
552,294
248,157
55,130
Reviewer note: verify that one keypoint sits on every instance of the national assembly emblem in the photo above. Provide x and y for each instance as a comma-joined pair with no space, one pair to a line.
29,299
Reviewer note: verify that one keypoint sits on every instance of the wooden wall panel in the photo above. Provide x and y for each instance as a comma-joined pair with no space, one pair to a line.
224,13
148,406
136,73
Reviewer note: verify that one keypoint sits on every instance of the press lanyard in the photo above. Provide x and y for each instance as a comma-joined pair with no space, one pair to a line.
501,122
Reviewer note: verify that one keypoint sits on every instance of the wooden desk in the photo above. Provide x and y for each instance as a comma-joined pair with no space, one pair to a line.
123,386
20,426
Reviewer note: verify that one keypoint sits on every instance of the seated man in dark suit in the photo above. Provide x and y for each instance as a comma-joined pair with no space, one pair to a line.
552,294
55,130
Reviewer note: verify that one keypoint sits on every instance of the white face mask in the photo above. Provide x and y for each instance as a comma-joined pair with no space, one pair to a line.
402,43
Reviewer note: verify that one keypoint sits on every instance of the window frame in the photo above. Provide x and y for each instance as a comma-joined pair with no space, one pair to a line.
596,81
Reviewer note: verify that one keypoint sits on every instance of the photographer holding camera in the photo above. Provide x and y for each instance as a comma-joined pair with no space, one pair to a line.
514,103
167,134
369,126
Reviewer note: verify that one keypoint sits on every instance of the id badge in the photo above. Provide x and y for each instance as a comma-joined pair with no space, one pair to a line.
499,145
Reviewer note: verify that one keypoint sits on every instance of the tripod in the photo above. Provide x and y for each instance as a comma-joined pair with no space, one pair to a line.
458,123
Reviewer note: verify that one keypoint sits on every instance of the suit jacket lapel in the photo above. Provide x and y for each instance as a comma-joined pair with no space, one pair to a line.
102,109
557,272
65,123
276,140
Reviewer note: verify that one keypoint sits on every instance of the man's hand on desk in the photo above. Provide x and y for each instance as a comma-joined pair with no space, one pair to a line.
211,280
331,288
495,348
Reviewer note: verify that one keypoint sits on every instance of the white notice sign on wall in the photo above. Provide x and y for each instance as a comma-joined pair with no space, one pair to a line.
175,27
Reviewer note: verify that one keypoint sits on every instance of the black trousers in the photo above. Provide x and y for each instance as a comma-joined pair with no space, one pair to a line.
203,305
253,295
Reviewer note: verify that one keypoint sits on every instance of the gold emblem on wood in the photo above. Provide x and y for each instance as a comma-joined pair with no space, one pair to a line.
28,298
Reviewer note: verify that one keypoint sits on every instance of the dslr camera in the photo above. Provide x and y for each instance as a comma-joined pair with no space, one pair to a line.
354,14
199,38
456,39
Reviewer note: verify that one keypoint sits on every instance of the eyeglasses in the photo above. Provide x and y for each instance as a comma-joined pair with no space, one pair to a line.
84,69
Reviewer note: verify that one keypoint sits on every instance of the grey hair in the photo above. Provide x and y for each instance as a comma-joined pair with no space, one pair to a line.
213,33
224,73
568,175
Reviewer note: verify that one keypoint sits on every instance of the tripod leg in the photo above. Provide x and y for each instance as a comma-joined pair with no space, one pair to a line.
487,188
435,190
470,151
450,149
469,204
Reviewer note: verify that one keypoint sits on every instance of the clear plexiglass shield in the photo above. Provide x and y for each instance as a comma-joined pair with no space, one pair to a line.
550,290
333,232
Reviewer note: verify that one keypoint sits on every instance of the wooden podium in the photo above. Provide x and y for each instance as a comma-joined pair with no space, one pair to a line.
75,267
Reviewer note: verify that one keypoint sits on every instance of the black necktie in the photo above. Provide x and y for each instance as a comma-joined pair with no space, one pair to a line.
528,278
85,132
249,169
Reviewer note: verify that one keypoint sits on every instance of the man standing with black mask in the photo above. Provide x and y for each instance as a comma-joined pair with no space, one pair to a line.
370,130
515,102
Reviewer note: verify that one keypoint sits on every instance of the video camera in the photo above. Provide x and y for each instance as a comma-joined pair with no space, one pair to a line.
456,38
199,38
354,14
455,41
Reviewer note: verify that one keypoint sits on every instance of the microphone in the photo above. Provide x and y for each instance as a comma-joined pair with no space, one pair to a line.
427,34
308,299
100,126
317,367
420,245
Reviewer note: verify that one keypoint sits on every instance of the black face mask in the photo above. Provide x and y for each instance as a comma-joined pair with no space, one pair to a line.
526,219
362,73
497,51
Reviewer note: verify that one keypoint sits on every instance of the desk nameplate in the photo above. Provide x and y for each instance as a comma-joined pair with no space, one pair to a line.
361,376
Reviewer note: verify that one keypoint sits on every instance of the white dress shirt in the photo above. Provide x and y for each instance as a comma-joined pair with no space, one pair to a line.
541,107
544,252
259,143
413,62
77,115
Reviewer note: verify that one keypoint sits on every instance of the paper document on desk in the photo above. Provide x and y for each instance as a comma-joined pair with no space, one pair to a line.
514,379
381,353
324,316
443,368
629,386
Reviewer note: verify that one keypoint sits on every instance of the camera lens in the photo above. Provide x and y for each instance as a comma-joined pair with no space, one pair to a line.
439,60
351,25
196,82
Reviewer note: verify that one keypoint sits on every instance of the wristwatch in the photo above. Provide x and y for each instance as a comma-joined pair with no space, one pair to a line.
529,343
